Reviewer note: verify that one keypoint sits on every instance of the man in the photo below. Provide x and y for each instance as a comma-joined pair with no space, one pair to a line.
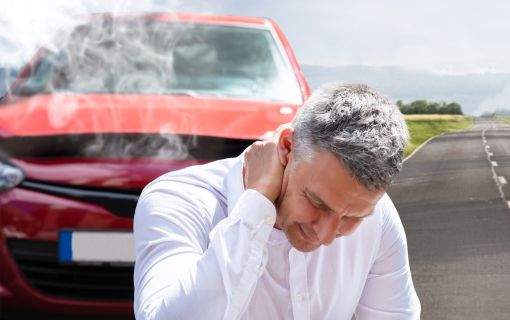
297,227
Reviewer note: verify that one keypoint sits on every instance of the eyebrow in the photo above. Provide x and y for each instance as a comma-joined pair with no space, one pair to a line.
323,205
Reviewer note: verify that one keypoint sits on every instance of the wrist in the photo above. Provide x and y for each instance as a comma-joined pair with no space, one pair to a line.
269,195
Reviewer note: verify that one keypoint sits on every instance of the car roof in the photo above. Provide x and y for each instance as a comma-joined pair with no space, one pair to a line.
182,17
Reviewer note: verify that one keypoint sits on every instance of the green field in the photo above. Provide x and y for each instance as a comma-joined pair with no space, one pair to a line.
423,126
504,118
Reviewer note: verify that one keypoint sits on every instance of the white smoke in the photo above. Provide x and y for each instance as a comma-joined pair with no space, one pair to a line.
26,26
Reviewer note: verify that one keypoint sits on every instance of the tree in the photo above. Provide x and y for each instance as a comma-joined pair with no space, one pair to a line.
425,107
453,108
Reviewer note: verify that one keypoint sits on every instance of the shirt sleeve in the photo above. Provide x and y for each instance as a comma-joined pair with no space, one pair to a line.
180,273
389,291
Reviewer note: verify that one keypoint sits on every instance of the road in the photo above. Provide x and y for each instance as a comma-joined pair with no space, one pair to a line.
454,206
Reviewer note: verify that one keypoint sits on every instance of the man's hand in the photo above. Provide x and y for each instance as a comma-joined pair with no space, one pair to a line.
263,168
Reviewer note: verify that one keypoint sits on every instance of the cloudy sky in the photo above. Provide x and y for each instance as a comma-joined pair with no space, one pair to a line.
440,36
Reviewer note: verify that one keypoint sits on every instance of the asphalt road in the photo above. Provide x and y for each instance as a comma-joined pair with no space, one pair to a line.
454,206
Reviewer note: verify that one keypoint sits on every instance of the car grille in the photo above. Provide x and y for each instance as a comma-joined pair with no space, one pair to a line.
38,261
123,145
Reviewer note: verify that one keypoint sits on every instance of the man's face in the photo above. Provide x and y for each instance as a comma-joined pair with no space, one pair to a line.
321,201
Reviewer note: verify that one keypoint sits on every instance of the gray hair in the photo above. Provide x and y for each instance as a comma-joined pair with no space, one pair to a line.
359,126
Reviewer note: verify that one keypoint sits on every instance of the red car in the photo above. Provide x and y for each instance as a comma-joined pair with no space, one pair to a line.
110,104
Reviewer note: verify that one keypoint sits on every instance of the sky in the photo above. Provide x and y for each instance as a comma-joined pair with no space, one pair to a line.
439,36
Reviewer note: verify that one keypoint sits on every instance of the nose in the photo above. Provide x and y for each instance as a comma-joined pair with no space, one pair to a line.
326,227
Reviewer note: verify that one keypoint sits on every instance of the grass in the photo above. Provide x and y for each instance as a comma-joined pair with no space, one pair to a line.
424,126
504,118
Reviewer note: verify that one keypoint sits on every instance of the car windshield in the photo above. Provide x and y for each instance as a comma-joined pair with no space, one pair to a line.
157,57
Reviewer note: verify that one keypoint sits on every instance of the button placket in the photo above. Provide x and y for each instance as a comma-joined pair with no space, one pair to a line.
298,281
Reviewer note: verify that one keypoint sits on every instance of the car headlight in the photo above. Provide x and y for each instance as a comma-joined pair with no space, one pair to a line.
10,176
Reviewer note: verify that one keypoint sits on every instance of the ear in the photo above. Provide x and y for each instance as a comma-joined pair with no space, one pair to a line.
285,145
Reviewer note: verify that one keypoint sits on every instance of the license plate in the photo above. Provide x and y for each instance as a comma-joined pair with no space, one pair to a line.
96,247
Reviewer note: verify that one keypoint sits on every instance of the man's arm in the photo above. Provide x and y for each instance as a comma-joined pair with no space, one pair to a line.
178,275
389,292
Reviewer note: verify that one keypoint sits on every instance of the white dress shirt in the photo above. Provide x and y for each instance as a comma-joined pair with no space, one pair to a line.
207,249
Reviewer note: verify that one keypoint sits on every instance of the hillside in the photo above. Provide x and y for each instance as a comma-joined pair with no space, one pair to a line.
477,93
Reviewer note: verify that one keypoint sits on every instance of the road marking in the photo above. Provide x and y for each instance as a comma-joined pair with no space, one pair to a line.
498,180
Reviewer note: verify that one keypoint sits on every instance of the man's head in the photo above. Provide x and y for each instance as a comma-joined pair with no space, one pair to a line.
340,154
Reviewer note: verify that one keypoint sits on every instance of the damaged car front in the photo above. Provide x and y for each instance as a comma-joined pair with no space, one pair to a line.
107,106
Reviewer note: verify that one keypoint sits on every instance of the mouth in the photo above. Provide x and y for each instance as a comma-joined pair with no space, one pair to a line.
308,238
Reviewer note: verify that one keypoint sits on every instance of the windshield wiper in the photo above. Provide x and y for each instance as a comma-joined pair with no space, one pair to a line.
183,92
25,91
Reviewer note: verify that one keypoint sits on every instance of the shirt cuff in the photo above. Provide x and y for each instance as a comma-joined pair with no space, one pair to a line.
255,210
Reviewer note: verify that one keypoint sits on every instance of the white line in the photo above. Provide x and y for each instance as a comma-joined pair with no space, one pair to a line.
490,154
487,147
494,163
495,177
508,203
502,180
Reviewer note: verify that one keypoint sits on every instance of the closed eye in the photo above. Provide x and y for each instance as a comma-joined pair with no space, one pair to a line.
316,203
355,219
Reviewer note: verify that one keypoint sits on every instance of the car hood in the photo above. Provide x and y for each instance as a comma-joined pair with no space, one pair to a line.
123,142
163,114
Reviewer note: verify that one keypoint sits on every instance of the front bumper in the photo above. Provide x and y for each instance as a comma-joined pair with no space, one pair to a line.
32,278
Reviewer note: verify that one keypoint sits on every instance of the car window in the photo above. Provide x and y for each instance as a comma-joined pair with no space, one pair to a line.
156,57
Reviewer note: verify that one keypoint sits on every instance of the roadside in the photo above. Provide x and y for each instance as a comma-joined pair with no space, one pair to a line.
449,197
505,119
425,126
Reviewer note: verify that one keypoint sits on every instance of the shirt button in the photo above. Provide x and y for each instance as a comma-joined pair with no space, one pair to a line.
299,297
